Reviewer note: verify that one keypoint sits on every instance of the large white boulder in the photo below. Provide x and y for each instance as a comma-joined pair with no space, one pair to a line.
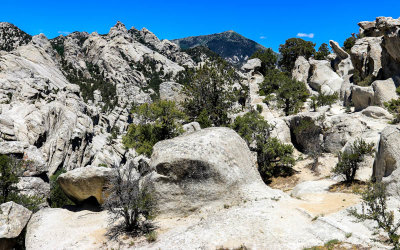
208,166
13,219
252,64
171,91
342,63
301,69
56,228
384,91
362,97
387,160
83,183
324,78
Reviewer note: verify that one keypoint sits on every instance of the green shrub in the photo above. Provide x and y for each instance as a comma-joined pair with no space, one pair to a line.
323,99
10,171
204,119
393,106
322,52
211,89
374,208
251,126
349,43
57,196
158,121
268,59
349,160
292,49
360,80
273,157
290,94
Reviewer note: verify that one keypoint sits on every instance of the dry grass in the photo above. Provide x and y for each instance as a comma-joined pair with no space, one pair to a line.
284,183
336,245
356,187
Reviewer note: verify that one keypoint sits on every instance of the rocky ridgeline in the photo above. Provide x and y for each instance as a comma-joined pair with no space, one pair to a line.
60,100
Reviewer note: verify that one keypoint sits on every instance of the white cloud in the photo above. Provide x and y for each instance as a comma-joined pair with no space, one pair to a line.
310,35
64,33
262,37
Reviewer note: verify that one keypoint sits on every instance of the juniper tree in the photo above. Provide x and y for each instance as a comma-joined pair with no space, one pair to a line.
131,199
374,207
349,161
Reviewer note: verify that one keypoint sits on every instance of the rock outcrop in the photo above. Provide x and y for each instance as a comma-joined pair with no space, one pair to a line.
56,228
171,91
378,93
384,91
252,65
387,159
83,183
209,166
362,97
13,219
323,78
379,49
301,69
366,55
342,63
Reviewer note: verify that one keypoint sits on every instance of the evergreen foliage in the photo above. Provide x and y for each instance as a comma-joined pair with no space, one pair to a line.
374,208
10,171
349,43
157,121
131,200
393,106
268,59
57,196
211,93
289,93
323,99
273,157
350,160
322,53
292,49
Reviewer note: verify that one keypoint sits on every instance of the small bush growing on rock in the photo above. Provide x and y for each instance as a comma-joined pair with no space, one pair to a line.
362,81
292,49
251,127
10,171
322,53
57,196
349,160
374,207
132,199
393,106
268,59
8,177
273,157
290,94
157,121
211,90
323,99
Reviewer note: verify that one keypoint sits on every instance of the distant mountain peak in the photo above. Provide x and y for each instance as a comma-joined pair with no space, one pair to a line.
230,45
11,37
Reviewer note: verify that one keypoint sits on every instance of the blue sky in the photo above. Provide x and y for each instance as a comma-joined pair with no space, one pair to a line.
268,22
